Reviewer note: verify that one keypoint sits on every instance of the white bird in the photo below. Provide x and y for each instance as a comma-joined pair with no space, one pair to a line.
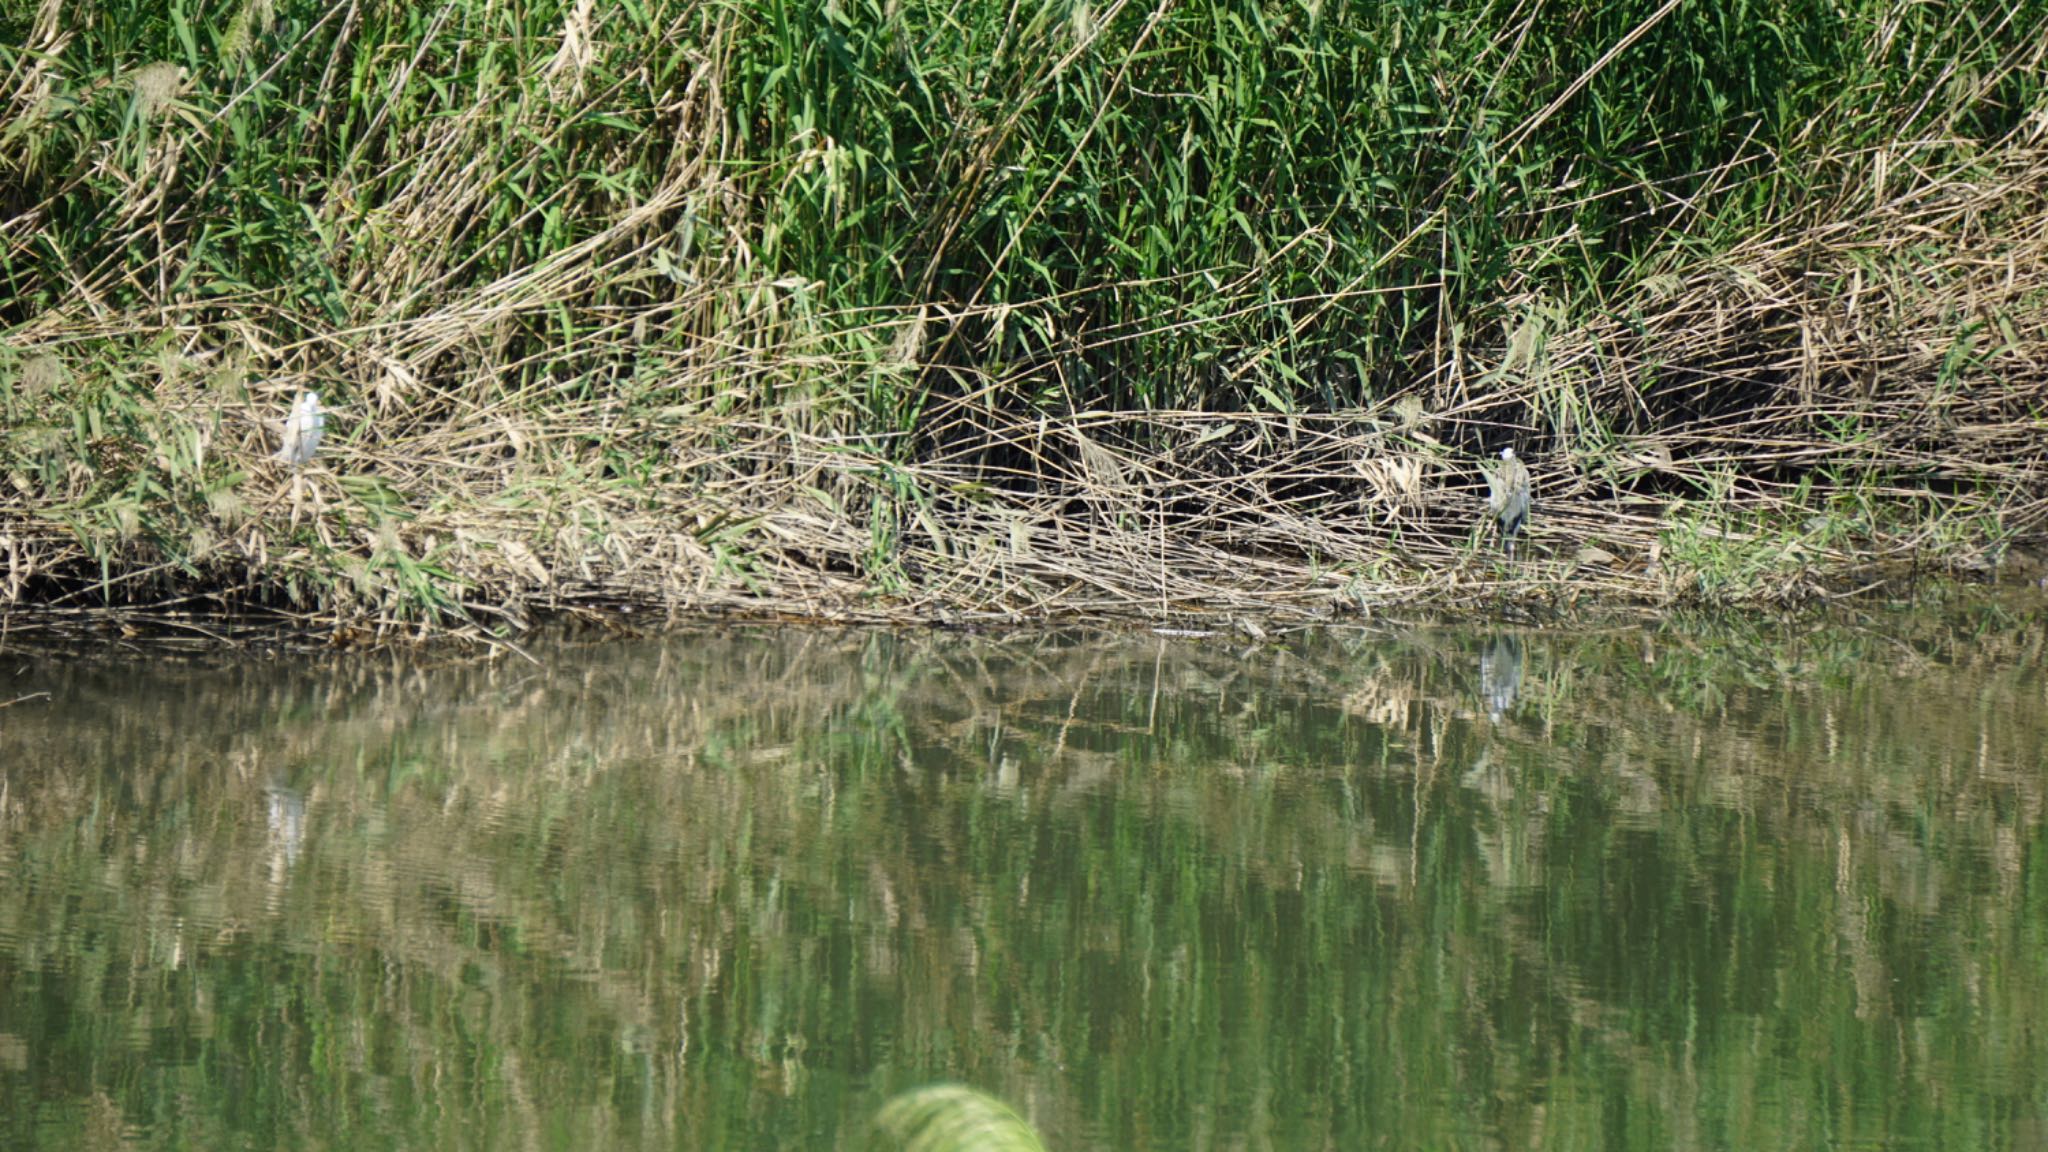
1507,498
302,430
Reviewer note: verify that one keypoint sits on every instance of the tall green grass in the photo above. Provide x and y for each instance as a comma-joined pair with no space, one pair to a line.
551,253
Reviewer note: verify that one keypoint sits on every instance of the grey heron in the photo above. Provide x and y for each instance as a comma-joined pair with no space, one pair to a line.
1507,497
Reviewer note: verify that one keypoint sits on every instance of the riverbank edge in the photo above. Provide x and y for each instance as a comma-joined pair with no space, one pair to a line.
356,550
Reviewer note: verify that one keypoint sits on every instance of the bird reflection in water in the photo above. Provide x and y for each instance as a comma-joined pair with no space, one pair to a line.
1500,674
285,815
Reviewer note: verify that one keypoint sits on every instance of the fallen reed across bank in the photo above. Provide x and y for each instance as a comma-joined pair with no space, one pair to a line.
980,312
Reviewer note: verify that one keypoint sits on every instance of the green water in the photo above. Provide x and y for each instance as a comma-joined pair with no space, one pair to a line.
1731,885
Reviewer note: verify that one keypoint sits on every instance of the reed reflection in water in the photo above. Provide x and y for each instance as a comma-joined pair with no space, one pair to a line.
1694,886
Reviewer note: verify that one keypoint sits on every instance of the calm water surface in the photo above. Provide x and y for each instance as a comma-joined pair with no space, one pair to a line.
1687,886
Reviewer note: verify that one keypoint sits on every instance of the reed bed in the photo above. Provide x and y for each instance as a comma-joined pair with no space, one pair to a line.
991,313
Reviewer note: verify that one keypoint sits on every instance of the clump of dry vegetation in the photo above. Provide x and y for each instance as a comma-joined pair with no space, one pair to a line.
887,311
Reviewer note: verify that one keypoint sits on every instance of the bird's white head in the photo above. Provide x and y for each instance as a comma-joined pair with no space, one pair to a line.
1507,453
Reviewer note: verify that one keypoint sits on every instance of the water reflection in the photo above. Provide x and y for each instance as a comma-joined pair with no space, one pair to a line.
1699,886
1500,674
